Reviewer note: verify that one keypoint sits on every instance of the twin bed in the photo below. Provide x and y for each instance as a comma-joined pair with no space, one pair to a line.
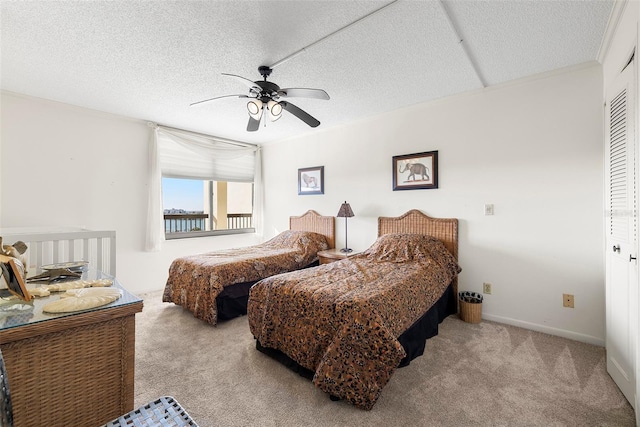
349,324
215,286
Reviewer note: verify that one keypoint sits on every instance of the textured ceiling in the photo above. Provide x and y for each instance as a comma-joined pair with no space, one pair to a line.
151,59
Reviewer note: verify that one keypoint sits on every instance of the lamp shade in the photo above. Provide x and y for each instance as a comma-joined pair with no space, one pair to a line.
255,108
345,211
275,109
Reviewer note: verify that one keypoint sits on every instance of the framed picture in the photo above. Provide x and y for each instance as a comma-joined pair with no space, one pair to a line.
12,270
415,171
311,180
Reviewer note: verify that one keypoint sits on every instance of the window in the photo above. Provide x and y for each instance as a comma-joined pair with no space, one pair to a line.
213,183
195,207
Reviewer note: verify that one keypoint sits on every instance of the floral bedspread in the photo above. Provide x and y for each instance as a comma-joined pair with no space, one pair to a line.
195,281
342,319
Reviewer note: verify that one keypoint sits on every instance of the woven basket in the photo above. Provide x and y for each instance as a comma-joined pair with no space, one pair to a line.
470,307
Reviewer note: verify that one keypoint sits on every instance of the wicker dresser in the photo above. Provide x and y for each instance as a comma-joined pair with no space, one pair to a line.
72,369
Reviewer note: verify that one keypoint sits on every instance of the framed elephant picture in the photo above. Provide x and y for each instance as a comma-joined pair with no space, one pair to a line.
417,171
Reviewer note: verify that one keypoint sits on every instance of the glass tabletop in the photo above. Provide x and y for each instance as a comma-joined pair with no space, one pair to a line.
15,312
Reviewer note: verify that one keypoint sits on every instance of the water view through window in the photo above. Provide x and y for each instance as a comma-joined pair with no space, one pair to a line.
183,197
194,205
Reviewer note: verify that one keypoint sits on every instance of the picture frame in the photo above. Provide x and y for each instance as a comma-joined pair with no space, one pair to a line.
11,269
417,171
311,180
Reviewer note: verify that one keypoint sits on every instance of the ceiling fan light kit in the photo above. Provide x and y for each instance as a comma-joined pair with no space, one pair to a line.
255,108
275,109
265,94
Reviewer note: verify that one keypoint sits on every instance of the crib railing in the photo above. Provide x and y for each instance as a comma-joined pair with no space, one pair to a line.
44,247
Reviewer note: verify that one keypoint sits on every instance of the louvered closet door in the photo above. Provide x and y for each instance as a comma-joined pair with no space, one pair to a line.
621,233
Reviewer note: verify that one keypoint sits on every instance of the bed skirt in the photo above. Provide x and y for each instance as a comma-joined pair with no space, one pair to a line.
232,301
413,340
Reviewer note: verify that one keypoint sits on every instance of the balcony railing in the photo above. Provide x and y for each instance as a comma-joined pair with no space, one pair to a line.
184,223
242,220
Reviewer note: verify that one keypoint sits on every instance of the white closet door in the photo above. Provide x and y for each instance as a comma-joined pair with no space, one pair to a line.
621,232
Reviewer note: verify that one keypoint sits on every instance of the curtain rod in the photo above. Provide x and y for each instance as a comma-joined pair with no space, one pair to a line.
227,141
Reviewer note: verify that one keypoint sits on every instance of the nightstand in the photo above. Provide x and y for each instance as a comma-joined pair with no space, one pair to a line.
331,255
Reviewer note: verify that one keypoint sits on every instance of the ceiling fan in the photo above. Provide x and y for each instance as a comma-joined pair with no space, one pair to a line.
268,96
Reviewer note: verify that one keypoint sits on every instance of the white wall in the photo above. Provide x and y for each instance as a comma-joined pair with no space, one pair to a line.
68,166
533,149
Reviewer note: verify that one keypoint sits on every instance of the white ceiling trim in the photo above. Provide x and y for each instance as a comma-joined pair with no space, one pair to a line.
612,24
462,43
339,30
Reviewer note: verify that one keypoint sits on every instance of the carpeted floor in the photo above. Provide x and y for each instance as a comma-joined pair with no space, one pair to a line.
487,374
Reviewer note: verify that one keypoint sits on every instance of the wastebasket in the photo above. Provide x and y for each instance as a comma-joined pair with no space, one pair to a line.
471,306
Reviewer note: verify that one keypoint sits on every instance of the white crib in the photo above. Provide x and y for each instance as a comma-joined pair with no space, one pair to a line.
49,246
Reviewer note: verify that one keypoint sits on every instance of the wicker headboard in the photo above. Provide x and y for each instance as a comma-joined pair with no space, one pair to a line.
414,221
313,221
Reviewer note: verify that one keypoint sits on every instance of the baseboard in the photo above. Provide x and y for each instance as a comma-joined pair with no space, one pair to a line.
546,329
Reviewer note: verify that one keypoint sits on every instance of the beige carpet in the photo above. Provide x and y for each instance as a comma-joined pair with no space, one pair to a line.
488,374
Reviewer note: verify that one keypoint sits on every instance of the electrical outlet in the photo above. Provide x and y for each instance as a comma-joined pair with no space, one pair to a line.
486,288
488,209
567,300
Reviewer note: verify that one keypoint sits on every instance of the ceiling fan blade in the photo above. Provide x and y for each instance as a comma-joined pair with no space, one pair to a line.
218,97
300,92
244,81
299,113
253,124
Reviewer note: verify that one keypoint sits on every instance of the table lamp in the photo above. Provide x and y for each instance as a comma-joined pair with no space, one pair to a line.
345,212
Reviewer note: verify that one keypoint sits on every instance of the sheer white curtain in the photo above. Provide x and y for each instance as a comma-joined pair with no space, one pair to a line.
155,214
183,154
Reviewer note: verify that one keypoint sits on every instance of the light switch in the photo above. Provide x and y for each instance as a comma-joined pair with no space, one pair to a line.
488,209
